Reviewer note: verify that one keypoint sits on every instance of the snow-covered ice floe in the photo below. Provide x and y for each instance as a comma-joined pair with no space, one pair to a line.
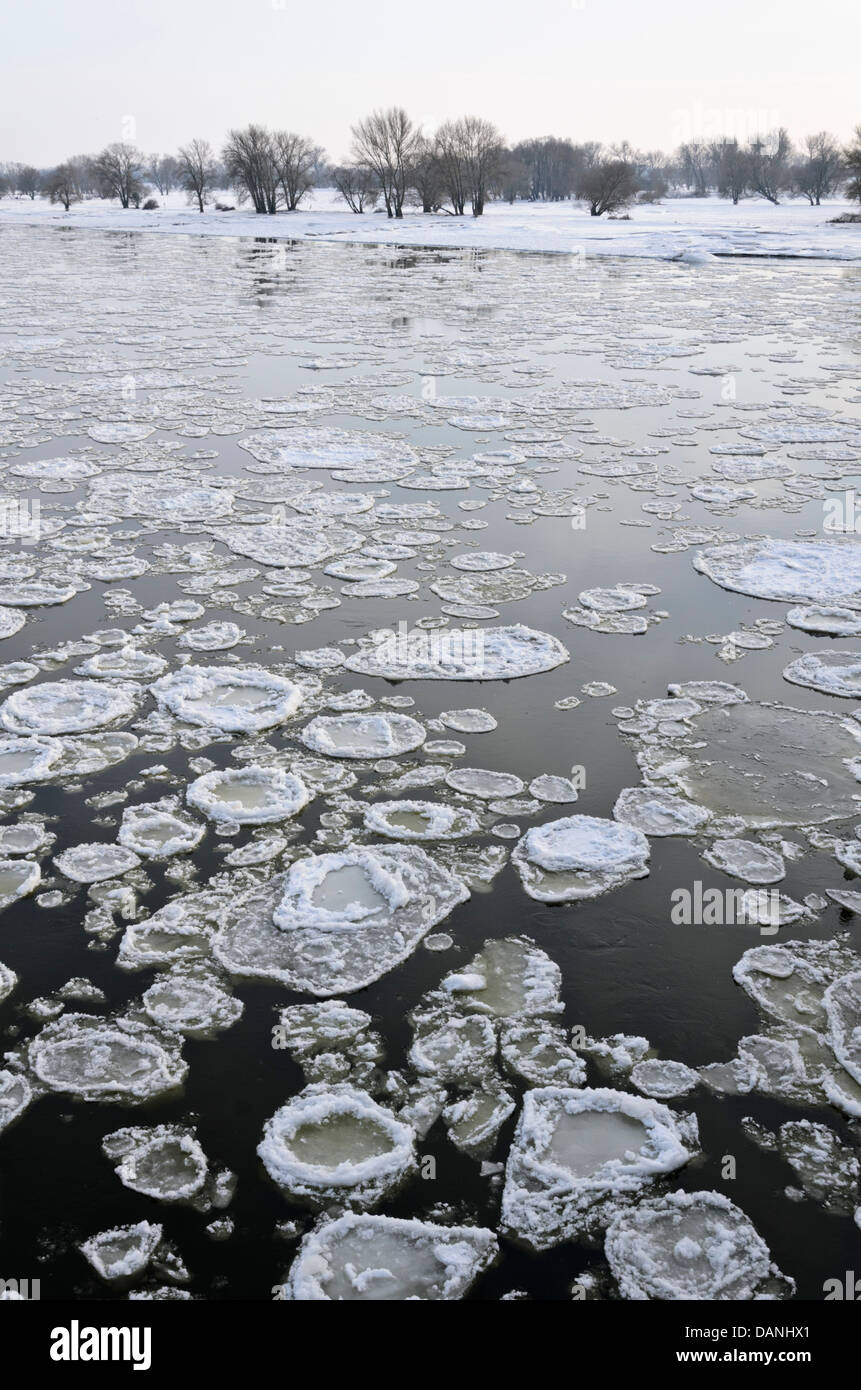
374,735
337,1147
64,707
691,1245
580,1155
237,699
473,654
579,857
107,1060
419,820
808,571
251,795
382,1258
334,923
167,1162
123,1254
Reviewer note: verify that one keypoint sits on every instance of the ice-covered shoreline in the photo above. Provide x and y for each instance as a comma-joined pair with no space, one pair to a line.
677,228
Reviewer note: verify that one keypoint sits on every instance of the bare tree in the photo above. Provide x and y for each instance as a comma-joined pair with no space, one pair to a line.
62,185
385,141
695,166
852,161
608,184
357,185
198,171
451,162
28,180
249,158
164,171
512,177
769,163
118,173
295,160
553,165
732,163
426,176
820,169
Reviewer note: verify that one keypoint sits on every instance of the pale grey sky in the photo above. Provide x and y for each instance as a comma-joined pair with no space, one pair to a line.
75,77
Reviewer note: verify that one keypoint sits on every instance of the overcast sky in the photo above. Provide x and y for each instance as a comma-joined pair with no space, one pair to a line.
76,76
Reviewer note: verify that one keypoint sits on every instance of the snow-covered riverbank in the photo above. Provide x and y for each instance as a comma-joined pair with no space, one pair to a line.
689,227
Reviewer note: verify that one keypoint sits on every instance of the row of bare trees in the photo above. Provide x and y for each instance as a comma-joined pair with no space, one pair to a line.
459,168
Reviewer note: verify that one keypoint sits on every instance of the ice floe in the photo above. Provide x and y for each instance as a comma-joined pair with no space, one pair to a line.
579,857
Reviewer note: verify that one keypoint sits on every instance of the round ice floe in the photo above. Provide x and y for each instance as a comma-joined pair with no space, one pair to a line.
337,1147
578,1155
238,699
381,1258
123,663
123,1254
27,759
690,1245
468,721
480,781
67,469
834,673
708,692
327,448
482,560
18,877
823,571
826,619
93,862
479,654
334,923
579,857
362,735
419,820
11,621
15,1096
119,433
212,637
24,838
60,707
659,812
663,1080
107,1060
722,494
36,593
158,832
191,1001
555,789
286,544
359,567
251,795
618,600
165,1162
746,859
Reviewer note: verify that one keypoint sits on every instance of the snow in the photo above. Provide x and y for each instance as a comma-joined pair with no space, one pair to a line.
359,1257
746,859
691,230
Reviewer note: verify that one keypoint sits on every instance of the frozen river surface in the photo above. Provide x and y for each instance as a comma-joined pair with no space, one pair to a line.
429,772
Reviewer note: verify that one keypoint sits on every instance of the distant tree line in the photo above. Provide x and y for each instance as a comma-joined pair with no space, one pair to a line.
465,164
